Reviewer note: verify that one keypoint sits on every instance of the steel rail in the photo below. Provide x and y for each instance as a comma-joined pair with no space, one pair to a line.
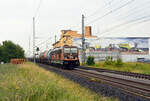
137,88
136,75
131,86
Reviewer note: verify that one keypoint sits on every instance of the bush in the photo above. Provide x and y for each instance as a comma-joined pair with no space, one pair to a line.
90,60
109,60
119,62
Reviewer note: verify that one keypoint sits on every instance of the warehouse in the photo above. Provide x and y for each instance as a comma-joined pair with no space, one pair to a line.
130,49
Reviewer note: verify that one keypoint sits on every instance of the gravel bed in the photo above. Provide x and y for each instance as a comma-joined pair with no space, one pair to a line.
102,89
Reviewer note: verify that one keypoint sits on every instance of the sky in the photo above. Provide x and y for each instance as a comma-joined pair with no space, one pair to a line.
52,16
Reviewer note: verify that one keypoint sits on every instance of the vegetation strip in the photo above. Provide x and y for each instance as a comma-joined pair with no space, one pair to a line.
119,65
136,67
28,82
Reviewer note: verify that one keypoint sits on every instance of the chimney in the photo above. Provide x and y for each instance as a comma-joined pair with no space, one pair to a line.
88,31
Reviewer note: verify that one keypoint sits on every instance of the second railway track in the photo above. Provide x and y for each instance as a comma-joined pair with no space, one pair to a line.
131,85
136,75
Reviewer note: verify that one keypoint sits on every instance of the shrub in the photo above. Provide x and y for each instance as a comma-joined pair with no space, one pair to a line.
109,60
119,62
90,60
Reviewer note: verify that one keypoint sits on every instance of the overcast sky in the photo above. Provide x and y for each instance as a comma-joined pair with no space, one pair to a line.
55,15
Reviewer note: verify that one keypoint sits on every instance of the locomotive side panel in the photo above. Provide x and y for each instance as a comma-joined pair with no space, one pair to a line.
66,56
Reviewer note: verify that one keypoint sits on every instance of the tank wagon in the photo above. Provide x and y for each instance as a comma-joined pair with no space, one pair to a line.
66,57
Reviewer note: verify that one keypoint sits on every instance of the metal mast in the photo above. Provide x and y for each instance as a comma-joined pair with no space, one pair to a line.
34,39
55,38
83,41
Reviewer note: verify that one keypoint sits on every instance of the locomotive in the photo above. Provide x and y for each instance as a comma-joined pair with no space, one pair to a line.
65,56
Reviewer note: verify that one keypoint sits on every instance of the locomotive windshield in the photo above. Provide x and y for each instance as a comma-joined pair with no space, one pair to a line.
73,50
66,50
70,50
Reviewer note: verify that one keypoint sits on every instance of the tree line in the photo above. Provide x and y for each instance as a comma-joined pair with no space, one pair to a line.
9,50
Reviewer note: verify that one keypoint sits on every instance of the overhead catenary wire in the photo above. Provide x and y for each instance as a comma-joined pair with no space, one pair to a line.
136,12
38,8
135,23
116,9
139,12
111,1
128,22
43,42
100,9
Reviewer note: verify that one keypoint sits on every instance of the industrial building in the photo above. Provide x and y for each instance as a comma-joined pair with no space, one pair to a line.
129,49
67,37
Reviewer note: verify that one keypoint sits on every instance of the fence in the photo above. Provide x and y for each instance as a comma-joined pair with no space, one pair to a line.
18,61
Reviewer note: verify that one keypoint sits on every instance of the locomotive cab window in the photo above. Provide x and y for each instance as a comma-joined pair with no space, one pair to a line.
70,50
66,50
73,50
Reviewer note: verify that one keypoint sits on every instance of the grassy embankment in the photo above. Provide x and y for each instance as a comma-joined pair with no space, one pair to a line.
28,82
128,67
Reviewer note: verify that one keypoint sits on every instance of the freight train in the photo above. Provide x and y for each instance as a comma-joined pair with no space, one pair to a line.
64,57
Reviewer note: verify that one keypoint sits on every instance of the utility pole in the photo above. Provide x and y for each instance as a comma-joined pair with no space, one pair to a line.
34,39
83,42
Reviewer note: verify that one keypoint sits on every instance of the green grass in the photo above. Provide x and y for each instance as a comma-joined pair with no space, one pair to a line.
128,67
28,82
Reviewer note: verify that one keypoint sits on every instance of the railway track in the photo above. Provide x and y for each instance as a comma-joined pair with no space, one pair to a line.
129,84
136,75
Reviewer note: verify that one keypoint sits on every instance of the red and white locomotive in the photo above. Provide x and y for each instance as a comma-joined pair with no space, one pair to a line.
66,56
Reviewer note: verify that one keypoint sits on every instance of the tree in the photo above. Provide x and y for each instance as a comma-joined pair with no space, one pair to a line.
10,50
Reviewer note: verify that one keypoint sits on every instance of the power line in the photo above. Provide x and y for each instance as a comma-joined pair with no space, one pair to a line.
111,2
38,8
136,24
111,11
136,10
125,23
44,41
100,9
